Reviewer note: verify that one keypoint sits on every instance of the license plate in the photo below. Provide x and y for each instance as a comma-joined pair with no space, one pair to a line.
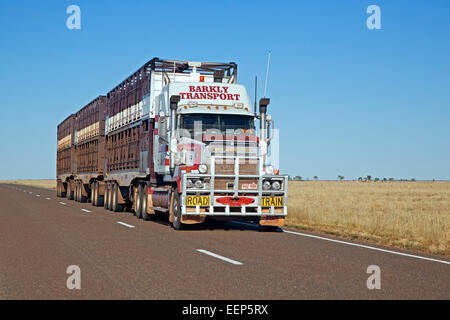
202,201
272,201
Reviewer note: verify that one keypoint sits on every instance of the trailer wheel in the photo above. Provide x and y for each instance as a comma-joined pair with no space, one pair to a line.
138,211
176,211
58,189
116,207
144,214
94,194
106,202
63,185
100,198
81,197
69,191
110,196
77,192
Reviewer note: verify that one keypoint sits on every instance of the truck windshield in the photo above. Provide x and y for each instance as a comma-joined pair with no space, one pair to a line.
218,122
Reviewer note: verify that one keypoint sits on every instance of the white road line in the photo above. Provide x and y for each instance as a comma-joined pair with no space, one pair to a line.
30,192
367,247
48,198
125,224
38,195
62,203
85,210
219,257
353,244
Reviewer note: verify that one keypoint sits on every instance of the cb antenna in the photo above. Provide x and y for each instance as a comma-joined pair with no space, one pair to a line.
256,88
267,74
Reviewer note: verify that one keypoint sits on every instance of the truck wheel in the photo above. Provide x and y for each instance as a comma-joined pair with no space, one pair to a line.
176,211
110,196
81,198
138,211
116,207
69,191
100,198
144,214
93,194
62,186
106,202
58,190
77,192
91,198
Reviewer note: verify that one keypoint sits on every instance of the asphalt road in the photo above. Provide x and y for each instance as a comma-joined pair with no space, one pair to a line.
121,257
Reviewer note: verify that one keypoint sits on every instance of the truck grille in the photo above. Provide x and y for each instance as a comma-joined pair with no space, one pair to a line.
246,166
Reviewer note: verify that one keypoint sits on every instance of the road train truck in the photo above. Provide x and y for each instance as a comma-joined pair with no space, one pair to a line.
176,139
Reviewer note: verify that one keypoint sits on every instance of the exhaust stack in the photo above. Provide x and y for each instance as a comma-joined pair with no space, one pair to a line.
173,120
263,103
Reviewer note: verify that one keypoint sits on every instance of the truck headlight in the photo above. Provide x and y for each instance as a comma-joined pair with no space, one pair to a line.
266,185
202,168
269,169
276,185
189,183
198,184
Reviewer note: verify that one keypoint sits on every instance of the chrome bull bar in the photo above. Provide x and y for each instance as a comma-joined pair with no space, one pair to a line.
212,192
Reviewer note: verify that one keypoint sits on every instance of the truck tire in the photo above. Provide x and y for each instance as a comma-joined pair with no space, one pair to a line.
176,211
69,191
77,192
63,185
138,210
81,198
100,198
106,202
116,207
93,195
110,196
144,214
58,189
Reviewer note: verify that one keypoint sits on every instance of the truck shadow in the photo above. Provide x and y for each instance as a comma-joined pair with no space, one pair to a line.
210,225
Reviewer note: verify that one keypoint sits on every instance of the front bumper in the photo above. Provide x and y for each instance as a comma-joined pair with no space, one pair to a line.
216,208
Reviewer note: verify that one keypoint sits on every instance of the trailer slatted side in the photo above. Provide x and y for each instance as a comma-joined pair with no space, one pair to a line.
90,137
65,140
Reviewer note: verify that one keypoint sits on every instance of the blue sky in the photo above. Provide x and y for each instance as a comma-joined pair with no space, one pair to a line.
348,101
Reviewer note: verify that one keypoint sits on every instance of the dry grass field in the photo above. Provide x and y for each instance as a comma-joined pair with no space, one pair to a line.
47,184
411,215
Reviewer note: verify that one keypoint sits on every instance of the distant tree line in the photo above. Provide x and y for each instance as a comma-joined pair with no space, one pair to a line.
341,178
